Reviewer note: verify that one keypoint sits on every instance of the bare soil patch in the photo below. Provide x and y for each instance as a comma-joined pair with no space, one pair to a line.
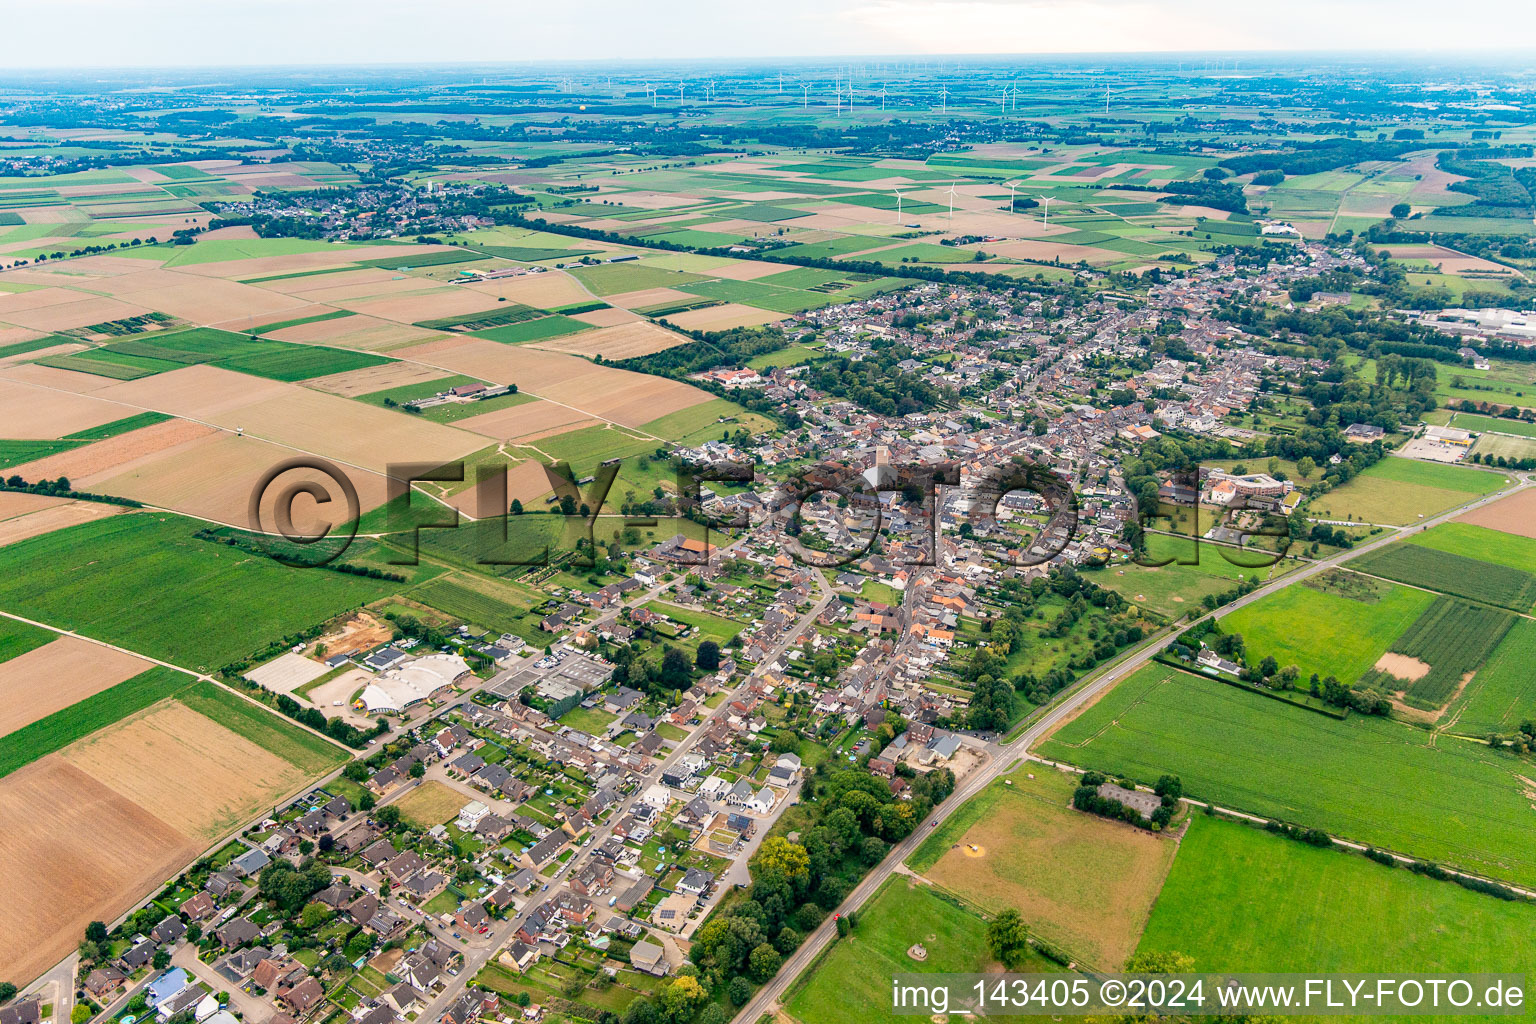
1400,666
56,675
1515,514
357,633
72,851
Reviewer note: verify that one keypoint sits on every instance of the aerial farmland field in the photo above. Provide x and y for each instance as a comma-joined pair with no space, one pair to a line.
1333,624
1324,910
1456,801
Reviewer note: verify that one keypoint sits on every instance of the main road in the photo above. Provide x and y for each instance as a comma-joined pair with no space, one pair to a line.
769,997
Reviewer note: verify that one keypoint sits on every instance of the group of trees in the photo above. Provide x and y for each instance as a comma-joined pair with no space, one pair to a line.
1168,789
796,884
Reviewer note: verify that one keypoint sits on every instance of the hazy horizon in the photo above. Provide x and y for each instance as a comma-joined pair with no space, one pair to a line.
75,34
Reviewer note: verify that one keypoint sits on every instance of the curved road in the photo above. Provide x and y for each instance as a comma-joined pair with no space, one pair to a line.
770,995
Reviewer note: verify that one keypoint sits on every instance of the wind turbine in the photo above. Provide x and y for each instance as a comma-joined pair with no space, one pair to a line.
680,87
1013,195
943,99
882,99
837,95
951,200
805,97
1106,101
1003,109
898,204
781,83
1045,202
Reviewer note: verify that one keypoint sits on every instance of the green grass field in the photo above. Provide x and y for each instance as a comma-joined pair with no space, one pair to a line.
1305,909
82,718
1480,542
1396,492
1174,590
143,582
857,970
1327,631
262,727
1369,779
710,627
1503,693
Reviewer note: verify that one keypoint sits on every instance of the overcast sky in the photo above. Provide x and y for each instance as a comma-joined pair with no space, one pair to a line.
106,33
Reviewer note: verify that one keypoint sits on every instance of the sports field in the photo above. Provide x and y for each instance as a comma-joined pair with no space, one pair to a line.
1083,883
1333,624
1305,909
1368,779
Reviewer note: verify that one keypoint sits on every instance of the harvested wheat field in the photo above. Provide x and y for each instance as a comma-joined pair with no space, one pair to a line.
214,477
521,421
185,769
47,520
72,851
29,411
87,310
358,332
650,297
373,378
52,677
746,270
306,287
425,304
209,300
612,316
622,342
1084,883
1045,249
359,434
58,380
87,464
14,504
195,392
1515,514
723,318
606,392
546,291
